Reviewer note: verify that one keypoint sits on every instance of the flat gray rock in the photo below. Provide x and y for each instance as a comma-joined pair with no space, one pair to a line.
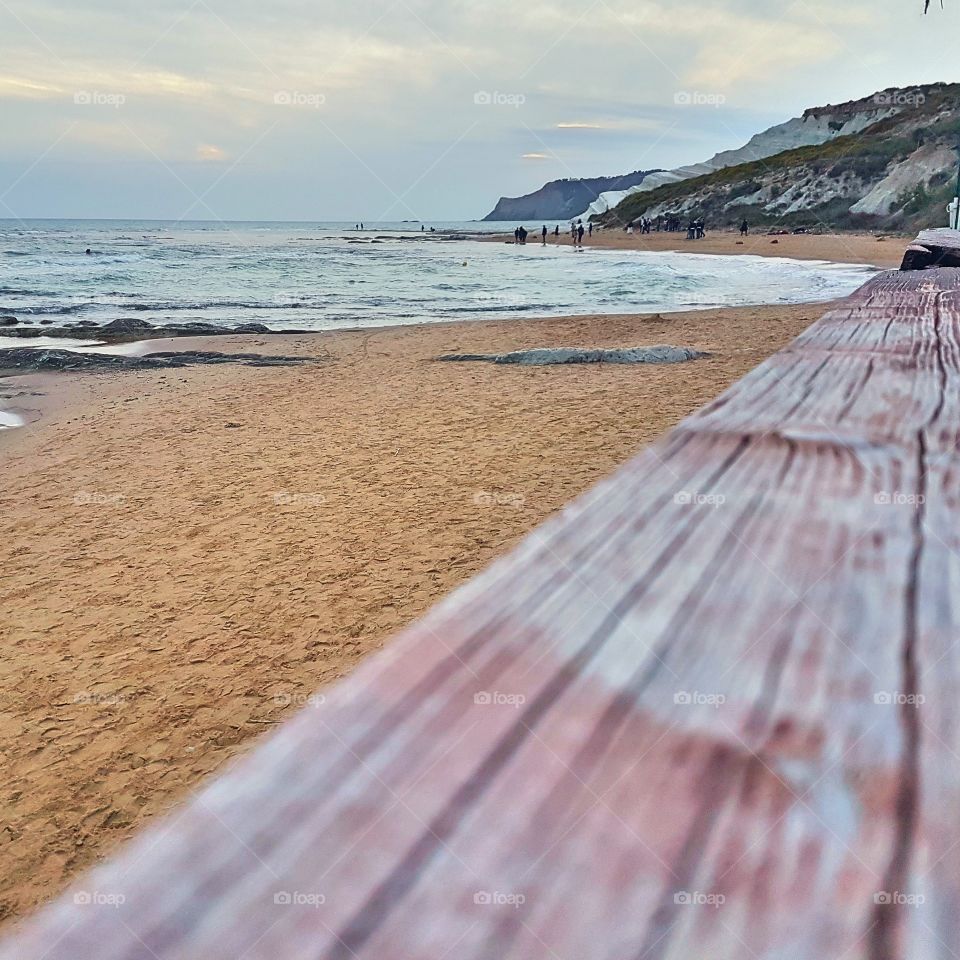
25,360
551,356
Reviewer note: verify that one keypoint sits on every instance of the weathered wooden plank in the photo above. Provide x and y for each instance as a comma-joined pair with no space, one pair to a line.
939,247
710,711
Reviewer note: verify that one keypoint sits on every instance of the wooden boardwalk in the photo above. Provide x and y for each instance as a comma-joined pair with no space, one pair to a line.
711,712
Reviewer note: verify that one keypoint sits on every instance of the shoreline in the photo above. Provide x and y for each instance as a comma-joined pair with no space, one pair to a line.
849,248
857,249
59,391
193,553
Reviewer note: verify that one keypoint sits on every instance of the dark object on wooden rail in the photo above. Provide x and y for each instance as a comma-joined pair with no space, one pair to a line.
933,248
711,711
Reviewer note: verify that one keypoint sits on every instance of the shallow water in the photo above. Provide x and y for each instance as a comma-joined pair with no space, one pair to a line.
9,420
75,345
329,276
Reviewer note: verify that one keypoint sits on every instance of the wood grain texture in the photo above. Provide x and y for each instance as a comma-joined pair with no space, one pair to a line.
710,711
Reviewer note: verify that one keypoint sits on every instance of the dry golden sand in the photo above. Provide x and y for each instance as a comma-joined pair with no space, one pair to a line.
188,555
838,247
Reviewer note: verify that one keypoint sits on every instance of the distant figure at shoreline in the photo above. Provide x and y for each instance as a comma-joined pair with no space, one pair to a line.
556,231
580,234
744,228
590,229
522,235
543,235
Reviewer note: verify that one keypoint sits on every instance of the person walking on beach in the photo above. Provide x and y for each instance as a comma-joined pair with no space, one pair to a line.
522,234
556,231
543,235
590,229
744,228
580,234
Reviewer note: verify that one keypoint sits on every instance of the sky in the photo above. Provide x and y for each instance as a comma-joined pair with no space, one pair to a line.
411,109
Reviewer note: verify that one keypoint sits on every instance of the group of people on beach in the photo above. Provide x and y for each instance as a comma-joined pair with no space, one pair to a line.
577,233
668,223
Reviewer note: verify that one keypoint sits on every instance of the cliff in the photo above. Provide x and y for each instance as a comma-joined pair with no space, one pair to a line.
560,199
886,161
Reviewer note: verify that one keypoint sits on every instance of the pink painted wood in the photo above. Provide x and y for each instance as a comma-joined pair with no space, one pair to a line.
711,711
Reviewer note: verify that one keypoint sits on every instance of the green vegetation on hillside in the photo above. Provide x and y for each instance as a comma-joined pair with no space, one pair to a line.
825,180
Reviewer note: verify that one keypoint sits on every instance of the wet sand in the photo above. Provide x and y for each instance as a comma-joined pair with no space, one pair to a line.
189,554
836,247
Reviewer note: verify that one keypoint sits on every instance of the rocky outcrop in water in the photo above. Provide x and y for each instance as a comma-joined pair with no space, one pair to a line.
28,360
132,328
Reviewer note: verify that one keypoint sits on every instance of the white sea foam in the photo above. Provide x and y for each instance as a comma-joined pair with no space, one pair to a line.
10,420
73,345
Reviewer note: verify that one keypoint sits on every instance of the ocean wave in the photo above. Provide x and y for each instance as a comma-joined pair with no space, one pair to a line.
160,306
173,305
24,292
205,274
503,308
55,310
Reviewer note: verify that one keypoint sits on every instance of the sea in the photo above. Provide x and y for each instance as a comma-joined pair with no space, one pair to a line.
328,276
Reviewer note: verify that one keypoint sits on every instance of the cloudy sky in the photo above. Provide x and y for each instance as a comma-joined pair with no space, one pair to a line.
409,109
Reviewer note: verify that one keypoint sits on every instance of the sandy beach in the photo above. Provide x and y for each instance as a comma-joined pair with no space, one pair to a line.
188,555
837,247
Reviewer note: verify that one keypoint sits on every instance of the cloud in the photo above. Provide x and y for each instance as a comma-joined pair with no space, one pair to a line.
626,124
208,153
384,103
21,88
